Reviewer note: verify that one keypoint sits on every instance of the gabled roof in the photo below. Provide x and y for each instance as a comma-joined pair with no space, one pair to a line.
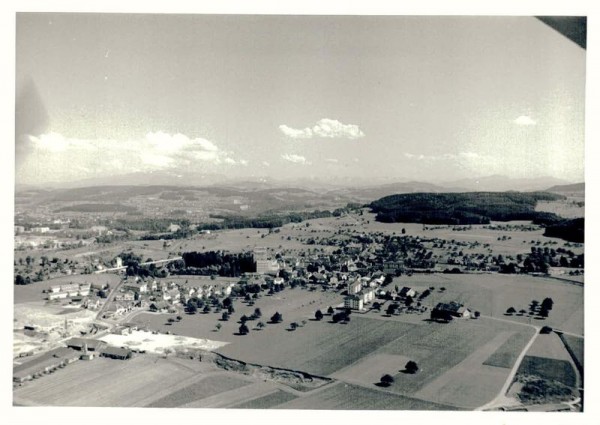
116,351
92,344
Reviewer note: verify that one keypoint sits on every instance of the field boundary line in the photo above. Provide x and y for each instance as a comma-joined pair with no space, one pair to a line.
511,375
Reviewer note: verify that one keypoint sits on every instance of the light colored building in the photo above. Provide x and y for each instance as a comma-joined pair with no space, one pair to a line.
138,287
40,229
407,292
353,302
266,266
367,294
354,287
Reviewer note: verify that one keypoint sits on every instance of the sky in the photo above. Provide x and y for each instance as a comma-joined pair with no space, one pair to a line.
335,98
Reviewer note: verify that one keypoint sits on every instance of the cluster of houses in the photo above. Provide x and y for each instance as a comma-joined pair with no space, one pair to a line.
76,349
69,290
163,296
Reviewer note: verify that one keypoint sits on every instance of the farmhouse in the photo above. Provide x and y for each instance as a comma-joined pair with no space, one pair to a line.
116,353
83,344
406,292
453,308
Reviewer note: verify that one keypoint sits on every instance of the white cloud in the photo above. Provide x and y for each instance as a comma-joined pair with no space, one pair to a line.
324,128
266,164
53,142
154,151
296,159
465,156
332,160
524,120
296,134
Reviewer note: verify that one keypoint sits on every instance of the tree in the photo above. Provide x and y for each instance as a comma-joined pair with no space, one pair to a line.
318,315
387,380
391,309
218,327
179,318
257,312
277,318
225,316
477,314
171,320
19,280
376,306
511,310
260,325
547,303
543,312
330,310
244,319
411,367
206,309
244,329
293,326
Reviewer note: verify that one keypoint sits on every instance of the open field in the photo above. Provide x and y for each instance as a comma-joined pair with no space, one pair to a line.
550,346
572,207
210,385
452,354
353,397
33,292
370,369
268,401
493,294
320,348
92,383
506,355
575,345
469,383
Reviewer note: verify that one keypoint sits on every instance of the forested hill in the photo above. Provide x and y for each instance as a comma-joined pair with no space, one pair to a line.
463,208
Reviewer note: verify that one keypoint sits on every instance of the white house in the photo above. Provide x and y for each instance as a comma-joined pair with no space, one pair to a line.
354,287
367,294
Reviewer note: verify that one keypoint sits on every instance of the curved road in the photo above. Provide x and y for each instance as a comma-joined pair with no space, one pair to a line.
499,400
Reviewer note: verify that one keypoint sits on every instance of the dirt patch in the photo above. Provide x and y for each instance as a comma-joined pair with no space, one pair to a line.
298,380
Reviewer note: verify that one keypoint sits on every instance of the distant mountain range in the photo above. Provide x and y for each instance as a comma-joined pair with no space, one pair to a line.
352,188
577,187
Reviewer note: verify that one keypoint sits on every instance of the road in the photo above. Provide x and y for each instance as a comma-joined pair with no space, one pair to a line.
500,399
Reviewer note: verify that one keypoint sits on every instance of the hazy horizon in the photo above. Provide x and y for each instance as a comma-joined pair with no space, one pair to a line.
327,98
